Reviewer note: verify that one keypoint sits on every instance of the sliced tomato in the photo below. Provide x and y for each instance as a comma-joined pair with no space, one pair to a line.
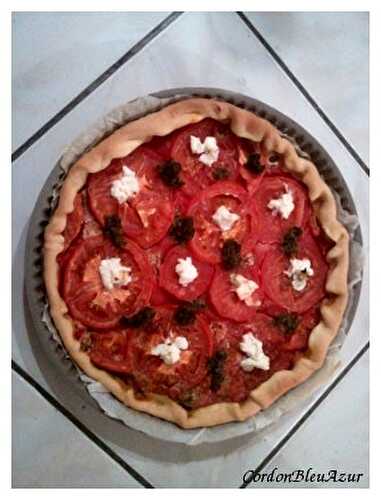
157,252
148,219
100,201
278,286
74,221
298,340
181,201
145,218
247,148
208,239
88,300
225,300
271,162
156,256
151,373
196,174
269,226
91,226
161,297
109,351
163,145
62,259
236,383
169,279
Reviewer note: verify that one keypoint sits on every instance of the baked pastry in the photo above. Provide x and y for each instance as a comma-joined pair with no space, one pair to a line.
195,265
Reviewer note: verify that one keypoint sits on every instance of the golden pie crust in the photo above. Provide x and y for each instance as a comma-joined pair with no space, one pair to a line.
247,125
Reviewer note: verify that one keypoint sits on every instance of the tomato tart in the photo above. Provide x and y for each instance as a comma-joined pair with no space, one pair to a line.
195,265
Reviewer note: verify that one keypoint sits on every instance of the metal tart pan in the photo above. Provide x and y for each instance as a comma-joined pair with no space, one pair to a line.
59,370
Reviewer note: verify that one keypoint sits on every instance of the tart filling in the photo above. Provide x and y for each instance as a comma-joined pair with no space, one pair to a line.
195,268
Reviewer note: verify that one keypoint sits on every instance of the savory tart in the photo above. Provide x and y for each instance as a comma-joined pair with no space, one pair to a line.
195,265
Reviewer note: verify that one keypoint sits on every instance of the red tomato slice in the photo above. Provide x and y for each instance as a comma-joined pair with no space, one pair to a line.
196,174
145,218
74,221
169,279
246,148
109,351
181,201
91,225
225,299
277,284
270,227
100,201
163,145
87,299
208,239
151,373
79,221
236,383
298,340
157,252
161,297
156,256
272,163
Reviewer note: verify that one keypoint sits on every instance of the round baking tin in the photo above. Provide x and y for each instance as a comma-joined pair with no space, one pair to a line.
34,285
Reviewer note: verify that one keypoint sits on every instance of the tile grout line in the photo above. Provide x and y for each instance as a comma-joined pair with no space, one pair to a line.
79,425
135,49
309,412
305,93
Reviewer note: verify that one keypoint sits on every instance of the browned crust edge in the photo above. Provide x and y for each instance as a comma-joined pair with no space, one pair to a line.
244,124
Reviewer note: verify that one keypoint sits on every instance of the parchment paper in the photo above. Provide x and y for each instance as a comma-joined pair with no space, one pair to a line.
154,426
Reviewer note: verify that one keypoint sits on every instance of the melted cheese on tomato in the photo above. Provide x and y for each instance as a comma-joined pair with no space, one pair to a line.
170,350
244,288
208,151
224,218
284,205
255,357
299,272
104,297
113,273
126,187
186,271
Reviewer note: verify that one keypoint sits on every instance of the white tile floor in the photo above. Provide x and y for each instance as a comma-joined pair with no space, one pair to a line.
340,439
55,56
321,46
240,63
47,455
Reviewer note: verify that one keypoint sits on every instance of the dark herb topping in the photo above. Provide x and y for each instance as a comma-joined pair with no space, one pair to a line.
186,313
182,229
142,318
290,241
216,369
274,158
113,230
286,322
253,164
86,342
231,254
220,173
169,173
